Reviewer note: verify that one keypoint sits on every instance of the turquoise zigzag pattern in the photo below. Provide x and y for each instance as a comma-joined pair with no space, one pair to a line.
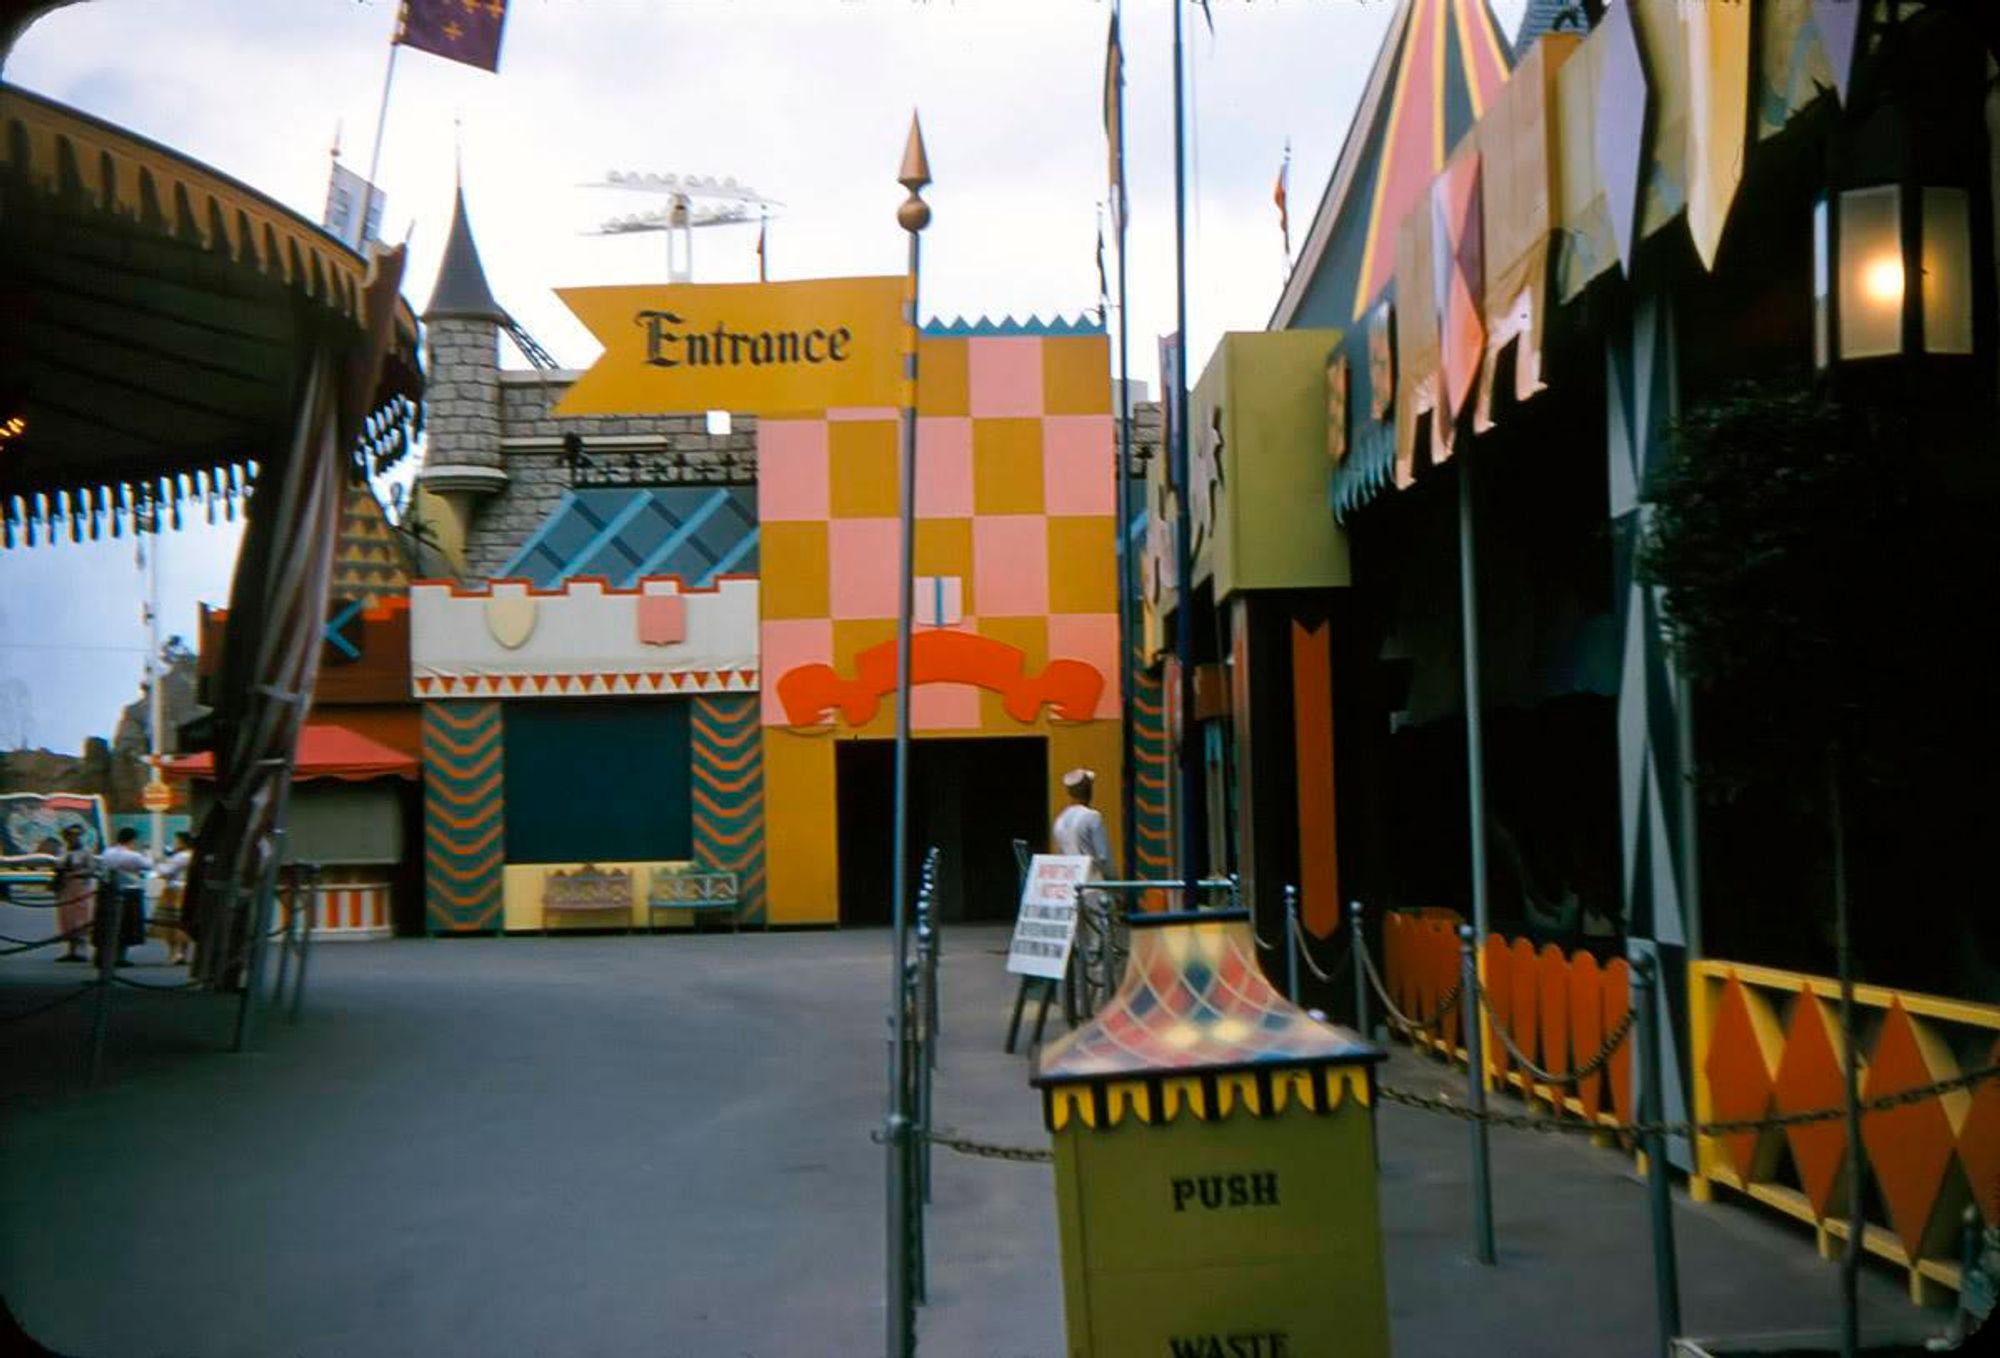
959,327
464,817
728,791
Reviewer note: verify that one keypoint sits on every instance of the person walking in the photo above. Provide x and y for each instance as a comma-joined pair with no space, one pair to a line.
166,923
1079,828
1098,960
125,870
75,891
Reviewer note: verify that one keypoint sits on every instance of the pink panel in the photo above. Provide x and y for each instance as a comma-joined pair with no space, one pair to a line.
788,643
944,467
861,567
791,470
1093,639
662,619
1004,376
1010,565
1078,464
944,707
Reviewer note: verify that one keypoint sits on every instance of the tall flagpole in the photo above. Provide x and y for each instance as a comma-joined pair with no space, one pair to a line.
381,123
1191,779
913,216
1128,592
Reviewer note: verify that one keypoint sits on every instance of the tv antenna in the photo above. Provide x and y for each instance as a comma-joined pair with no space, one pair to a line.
690,201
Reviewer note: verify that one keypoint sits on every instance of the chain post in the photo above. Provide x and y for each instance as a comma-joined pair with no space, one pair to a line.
1357,946
303,923
1666,1281
296,873
1291,943
1475,1095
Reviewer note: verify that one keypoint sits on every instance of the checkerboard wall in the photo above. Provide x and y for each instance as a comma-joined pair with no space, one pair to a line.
1015,461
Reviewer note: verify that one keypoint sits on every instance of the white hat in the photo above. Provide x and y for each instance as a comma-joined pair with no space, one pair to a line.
1078,777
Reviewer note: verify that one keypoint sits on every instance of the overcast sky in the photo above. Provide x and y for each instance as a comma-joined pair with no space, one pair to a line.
808,101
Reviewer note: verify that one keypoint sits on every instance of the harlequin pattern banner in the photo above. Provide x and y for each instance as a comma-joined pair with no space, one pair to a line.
754,348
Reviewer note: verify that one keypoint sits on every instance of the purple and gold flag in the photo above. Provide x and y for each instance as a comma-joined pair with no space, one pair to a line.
458,30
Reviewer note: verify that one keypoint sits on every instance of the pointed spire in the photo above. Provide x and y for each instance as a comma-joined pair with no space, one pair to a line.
916,170
462,290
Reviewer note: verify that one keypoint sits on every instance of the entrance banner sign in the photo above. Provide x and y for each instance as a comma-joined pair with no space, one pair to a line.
1045,930
772,349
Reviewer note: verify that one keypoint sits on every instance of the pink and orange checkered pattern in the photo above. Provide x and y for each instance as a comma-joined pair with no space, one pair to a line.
1015,533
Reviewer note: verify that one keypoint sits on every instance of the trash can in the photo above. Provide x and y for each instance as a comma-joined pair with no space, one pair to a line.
1215,1161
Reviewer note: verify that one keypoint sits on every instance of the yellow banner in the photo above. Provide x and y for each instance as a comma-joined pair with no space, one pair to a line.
752,348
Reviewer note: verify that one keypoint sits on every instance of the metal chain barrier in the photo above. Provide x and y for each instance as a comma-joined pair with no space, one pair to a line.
1396,1016
1301,940
1430,1103
30,945
984,1150
82,989
1616,1038
179,987
1528,1122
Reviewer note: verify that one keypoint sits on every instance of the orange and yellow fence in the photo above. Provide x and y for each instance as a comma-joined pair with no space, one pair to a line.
1769,1042
1558,1009
1765,1043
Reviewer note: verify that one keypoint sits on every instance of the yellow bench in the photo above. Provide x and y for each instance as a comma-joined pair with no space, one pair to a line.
588,891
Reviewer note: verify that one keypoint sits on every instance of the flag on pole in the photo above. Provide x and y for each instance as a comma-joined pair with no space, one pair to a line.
458,30
346,218
1278,197
1103,284
763,230
1114,118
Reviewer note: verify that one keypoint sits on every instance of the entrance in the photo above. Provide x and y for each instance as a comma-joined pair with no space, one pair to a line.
971,798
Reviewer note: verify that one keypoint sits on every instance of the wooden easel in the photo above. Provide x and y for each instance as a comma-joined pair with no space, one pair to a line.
1048,994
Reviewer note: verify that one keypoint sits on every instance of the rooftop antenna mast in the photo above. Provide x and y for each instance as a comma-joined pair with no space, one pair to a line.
690,201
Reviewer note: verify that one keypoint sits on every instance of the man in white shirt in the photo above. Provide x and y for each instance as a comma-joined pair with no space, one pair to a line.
127,868
1079,828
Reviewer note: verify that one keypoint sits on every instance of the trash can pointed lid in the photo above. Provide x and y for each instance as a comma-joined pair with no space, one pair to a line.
1194,1001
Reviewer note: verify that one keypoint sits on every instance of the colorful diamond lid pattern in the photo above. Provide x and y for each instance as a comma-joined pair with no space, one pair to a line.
1193,999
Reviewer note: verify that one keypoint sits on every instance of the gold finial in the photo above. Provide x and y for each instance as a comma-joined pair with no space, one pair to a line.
914,214
916,170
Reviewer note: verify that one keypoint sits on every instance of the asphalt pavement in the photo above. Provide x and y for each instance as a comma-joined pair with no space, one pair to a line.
660,1146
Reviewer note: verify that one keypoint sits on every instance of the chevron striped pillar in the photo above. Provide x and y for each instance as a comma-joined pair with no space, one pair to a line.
464,817
727,748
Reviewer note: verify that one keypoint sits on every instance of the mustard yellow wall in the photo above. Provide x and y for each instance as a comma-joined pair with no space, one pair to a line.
801,807
1276,530
521,901
802,868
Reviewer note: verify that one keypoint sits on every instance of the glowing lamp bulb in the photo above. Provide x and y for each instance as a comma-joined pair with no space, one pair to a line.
1882,280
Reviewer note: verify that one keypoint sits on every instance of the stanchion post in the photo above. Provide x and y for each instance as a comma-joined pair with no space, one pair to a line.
253,961
1475,1099
303,922
1291,943
1652,1109
291,909
1358,947
107,941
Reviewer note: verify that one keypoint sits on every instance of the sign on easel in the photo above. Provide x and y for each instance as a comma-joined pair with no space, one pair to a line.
1045,930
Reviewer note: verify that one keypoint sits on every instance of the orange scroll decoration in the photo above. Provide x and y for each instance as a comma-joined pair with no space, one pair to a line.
1070,687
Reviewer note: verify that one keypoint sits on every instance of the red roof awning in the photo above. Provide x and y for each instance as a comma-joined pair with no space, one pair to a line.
325,751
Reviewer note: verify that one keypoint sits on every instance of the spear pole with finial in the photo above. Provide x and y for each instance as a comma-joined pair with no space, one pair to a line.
913,215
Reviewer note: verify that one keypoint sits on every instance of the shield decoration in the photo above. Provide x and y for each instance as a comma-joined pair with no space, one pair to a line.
510,618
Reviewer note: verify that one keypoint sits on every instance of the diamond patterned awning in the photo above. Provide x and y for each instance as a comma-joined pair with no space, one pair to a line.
1194,1002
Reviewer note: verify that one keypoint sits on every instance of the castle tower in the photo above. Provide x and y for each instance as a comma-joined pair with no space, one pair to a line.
462,324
